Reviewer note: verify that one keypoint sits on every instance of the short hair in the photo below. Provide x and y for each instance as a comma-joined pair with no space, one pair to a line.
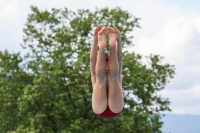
107,54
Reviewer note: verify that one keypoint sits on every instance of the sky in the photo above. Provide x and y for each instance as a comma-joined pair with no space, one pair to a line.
170,28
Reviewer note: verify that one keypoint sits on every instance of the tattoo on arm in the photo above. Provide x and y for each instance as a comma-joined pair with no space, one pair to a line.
91,59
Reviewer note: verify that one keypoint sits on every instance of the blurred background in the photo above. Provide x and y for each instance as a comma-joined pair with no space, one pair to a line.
170,28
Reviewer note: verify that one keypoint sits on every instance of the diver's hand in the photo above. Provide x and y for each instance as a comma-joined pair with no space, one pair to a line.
118,34
97,29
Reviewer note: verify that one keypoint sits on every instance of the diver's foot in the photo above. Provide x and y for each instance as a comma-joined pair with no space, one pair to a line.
112,35
102,38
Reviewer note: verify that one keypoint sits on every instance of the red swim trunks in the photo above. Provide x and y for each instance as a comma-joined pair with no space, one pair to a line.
107,113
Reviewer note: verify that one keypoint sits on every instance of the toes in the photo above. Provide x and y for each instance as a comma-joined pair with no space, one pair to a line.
102,31
109,29
112,31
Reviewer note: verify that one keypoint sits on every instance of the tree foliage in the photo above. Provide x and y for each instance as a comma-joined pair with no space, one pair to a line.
49,89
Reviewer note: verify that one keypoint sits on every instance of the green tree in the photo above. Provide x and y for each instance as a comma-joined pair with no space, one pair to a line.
49,89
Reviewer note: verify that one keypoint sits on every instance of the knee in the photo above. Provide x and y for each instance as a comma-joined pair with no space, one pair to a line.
100,75
113,78
114,74
101,78
113,70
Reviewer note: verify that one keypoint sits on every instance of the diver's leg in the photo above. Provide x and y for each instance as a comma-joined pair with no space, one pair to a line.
115,95
99,95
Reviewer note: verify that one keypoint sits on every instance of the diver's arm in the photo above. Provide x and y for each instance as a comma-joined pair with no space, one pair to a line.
119,50
93,55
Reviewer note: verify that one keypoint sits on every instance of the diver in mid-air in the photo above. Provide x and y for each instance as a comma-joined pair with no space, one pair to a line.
106,69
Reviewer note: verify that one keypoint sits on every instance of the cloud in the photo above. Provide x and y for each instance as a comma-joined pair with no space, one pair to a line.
9,11
184,101
99,2
178,41
10,31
